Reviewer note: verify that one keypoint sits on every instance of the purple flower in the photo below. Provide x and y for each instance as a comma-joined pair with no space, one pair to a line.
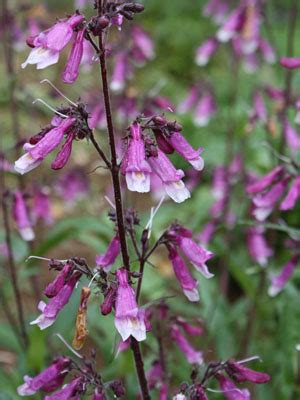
170,177
265,181
143,42
36,153
109,300
291,136
188,328
120,72
135,167
73,185
48,44
230,391
182,146
190,101
264,203
187,282
267,51
155,375
41,206
54,287
292,196
63,155
192,356
99,395
196,254
278,282
107,259
242,374
257,246
217,9
50,311
20,215
205,108
259,109
68,392
205,51
232,25
48,380
290,62
207,232
129,319
71,70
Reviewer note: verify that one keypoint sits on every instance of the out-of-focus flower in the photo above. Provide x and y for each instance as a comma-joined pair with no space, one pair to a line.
21,217
192,356
204,110
205,51
231,391
290,62
257,246
278,282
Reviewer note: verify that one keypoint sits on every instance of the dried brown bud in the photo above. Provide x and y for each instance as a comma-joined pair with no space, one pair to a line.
81,321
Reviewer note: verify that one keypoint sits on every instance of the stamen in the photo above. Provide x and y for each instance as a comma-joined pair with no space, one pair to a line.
50,108
68,346
41,258
224,391
153,213
110,202
246,360
93,278
58,91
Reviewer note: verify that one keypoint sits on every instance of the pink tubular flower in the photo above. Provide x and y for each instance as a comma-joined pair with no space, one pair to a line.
207,232
20,215
182,146
63,155
290,62
188,328
109,300
120,72
50,311
258,247
48,44
170,177
192,356
107,259
184,277
154,374
54,287
71,70
135,167
267,51
278,282
232,25
205,108
292,196
41,206
48,380
230,391
143,42
68,392
35,154
129,319
196,254
242,374
205,51
291,136
259,109
217,9
189,101
265,181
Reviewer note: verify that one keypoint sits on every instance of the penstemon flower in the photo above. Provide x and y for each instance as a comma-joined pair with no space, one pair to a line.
21,217
129,319
107,259
278,282
48,44
230,390
192,356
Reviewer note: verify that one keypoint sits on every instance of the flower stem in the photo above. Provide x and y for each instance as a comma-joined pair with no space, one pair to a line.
118,202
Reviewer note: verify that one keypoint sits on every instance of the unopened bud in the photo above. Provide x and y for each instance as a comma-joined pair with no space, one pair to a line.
159,120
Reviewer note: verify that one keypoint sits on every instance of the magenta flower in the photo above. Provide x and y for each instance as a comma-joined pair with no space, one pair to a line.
204,110
187,282
230,391
50,311
129,319
205,51
278,282
98,395
57,284
196,254
190,100
259,109
242,374
217,9
265,181
36,153
207,232
291,136
68,392
170,177
71,70
258,247
290,62
135,167
63,155
48,380
188,328
109,300
41,206
292,196
182,146
21,217
154,374
142,42
107,259
48,44
267,51
192,356
120,72
232,25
